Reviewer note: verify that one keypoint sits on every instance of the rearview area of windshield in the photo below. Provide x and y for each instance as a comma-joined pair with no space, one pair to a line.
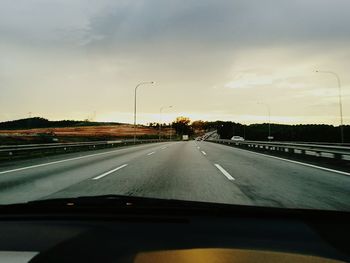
233,102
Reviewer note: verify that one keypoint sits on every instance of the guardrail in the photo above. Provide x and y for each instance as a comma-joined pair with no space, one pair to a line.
11,152
333,151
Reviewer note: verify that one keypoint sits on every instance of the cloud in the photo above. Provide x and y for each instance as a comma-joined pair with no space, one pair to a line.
250,80
131,24
223,22
89,56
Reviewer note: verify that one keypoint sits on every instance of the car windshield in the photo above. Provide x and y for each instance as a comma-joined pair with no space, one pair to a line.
233,102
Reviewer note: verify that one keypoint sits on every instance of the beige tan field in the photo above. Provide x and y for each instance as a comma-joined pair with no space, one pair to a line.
83,132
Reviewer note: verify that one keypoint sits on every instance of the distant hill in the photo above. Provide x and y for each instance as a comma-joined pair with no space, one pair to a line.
38,122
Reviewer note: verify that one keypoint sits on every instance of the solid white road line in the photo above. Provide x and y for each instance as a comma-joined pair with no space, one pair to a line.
306,164
56,162
109,172
224,172
150,153
296,162
204,152
61,161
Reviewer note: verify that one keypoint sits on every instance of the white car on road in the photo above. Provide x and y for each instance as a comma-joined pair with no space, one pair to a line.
237,138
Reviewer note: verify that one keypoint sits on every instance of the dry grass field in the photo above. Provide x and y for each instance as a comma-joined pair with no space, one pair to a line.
83,133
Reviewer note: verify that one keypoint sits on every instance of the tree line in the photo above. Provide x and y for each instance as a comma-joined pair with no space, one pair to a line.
260,132
225,129
38,122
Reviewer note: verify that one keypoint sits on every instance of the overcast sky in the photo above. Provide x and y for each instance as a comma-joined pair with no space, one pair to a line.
66,59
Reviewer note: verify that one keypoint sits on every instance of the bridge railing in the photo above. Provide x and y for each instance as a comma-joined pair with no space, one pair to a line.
10,152
335,151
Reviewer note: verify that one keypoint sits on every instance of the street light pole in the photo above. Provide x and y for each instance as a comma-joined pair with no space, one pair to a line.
269,113
160,117
340,101
138,85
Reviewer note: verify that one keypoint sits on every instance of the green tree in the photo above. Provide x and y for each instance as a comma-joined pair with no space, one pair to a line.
182,126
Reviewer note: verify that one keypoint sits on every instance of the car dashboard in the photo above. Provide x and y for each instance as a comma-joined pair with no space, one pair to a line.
187,234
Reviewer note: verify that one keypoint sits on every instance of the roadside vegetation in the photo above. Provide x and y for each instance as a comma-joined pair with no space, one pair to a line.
40,130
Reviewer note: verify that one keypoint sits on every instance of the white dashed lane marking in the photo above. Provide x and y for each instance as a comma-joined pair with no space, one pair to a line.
109,172
228,176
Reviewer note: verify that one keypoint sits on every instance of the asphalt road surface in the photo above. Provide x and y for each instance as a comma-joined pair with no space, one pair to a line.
197,171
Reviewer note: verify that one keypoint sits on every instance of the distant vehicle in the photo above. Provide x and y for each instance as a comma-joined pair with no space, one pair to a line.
237,138
185,137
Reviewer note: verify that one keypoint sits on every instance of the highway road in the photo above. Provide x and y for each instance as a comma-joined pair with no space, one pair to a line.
198,171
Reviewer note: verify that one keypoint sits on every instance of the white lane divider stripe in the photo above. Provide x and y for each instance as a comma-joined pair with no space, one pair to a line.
296,162
109,172
56,162
204,152
228,176
305,164
163,148
198,147
62,161
151,153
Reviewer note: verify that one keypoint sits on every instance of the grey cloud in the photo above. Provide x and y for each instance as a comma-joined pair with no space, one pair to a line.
61,46
222,23
124,25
